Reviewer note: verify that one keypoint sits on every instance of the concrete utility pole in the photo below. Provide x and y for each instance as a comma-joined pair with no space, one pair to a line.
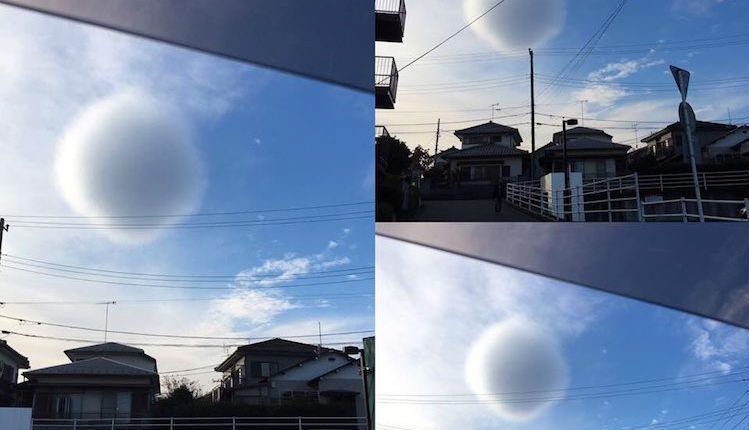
533,121
437,140
3,228
689,125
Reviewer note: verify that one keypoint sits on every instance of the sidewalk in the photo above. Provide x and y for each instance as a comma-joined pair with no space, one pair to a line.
469,210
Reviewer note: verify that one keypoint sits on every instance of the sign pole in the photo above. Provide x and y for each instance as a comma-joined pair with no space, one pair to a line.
689,125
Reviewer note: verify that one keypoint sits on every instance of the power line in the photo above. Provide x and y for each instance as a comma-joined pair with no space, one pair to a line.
100,281
202,299
366,270
199,214
583,53
171,345
212,224
173,336
716,373
451,36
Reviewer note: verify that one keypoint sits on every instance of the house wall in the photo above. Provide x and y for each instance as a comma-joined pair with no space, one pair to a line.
347,379
94,403
515,163
9,368
723,145
503,139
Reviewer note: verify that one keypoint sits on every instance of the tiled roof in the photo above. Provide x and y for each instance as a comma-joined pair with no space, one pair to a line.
489,128
97,366
106,347
485,151
21,361
272,346
700,125
578,131
581,144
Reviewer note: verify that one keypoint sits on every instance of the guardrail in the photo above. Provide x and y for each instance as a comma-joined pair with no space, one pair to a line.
618,199
734,178
611,199
184,423
685,210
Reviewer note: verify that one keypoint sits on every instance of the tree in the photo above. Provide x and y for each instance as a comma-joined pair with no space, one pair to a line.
180,390
421,158
393,156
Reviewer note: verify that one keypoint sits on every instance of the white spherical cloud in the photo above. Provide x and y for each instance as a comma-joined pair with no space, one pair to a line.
517,24
516,356
129,154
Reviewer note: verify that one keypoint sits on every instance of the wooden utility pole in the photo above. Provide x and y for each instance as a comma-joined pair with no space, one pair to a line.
533,122
3,228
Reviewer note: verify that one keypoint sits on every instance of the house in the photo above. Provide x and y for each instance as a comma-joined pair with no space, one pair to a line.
589,150
108,380
732,146
667,146
390,24
488,152
278,372
10,362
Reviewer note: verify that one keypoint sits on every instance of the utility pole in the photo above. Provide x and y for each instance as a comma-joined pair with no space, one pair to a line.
3,228
437,140
637,138
533,121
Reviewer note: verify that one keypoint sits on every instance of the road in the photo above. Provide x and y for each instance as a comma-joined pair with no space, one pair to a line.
468,211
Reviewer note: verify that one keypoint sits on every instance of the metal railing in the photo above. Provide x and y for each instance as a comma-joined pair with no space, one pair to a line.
610,199
184,423
707,180
386,75
394,7
685,210
618,199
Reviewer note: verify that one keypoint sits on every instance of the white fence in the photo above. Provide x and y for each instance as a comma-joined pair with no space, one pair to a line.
618,199
202,423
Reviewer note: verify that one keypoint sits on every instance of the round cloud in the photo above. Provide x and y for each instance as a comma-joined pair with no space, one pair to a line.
130,155
517,24
516,356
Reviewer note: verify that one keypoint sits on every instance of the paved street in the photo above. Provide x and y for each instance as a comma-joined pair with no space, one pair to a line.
469,210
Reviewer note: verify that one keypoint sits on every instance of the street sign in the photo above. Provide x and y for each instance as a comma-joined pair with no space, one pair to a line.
682,81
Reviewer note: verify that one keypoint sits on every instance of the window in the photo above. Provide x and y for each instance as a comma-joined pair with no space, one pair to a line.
262,369
601,169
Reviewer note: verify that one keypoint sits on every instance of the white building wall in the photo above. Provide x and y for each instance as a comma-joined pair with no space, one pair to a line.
15,418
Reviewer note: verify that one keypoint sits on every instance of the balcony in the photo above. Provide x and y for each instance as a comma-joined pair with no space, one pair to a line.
390,20
386,82
381,131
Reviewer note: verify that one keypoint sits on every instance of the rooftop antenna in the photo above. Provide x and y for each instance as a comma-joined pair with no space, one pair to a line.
582,111
106,318
495,107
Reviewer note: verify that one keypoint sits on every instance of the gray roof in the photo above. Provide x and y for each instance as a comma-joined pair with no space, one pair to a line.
105,347
489,128
582,131
274,346
582,143
485,151
676,126
97,366
21,361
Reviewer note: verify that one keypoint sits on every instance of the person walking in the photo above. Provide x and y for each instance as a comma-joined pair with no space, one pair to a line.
498,194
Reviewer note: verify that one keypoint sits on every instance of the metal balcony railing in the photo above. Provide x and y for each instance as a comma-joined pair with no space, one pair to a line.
386,82
393,7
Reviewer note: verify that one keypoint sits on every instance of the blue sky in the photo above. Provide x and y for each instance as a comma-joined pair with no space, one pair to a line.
618,81
238,138
449,302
